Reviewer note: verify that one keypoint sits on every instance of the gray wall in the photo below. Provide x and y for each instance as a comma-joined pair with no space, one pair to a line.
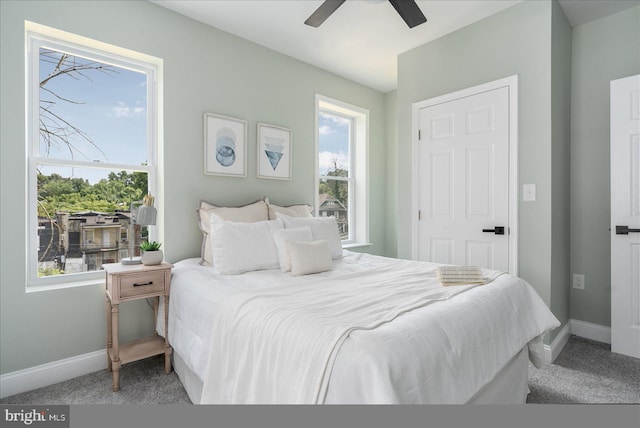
560,161
603,50
205,70
515,41
391,237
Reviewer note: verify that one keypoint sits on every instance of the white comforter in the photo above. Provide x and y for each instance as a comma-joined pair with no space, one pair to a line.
427,346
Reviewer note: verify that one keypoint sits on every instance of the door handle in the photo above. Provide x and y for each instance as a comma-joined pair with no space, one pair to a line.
624,230
499,230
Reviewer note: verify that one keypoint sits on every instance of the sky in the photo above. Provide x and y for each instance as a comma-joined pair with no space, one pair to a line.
112,112
333,142
110,107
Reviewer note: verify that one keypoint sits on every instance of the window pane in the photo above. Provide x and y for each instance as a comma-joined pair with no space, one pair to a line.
91,111
334,201
333,145
84,216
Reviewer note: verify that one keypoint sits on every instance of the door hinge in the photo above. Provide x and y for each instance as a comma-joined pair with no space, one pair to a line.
419,135
419,215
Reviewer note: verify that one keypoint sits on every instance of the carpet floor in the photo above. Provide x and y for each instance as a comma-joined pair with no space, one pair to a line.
585,372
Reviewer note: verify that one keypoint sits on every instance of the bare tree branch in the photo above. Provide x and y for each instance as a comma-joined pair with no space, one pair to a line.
54,129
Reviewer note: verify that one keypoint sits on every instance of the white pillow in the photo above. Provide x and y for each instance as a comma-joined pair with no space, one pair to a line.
243,247
301,210
321,228
281,236
309,257
256,211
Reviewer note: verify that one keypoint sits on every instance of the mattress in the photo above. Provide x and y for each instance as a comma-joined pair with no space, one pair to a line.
441,353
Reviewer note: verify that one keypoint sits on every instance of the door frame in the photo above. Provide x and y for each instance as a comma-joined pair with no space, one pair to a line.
510,82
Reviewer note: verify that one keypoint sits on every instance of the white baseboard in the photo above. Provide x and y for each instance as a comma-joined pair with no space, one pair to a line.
50,373
552,351
591,331
584,329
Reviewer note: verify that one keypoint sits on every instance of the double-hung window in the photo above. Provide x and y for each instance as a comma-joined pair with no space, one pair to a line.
92,149
342,168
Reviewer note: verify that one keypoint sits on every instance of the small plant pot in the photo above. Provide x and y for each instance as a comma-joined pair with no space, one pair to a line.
150,258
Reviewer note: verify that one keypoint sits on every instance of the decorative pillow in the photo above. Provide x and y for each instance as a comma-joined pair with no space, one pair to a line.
309,257
302,210
243,247
282,236
321,228
251,213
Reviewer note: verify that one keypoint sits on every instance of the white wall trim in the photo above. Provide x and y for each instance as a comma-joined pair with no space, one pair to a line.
583,329
591,331
552,351
50,373
510,82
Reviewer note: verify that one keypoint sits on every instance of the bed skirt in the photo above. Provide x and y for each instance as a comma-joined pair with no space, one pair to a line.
509,386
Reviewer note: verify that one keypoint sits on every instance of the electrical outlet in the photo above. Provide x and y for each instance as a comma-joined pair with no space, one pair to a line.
578,281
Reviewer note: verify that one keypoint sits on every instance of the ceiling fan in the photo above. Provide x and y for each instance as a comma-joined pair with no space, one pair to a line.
408,10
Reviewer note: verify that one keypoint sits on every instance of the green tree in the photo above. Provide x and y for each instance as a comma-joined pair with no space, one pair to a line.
72,195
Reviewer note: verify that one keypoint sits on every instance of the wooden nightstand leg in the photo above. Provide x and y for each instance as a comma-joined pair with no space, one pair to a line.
115,376
115,365
156,304
109,332
167,347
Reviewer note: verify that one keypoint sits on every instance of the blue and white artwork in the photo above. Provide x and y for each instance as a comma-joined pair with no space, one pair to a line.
274,149
274,152
226,147
225,140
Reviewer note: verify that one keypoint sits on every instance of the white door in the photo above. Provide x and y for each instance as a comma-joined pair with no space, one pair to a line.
625,216
464,181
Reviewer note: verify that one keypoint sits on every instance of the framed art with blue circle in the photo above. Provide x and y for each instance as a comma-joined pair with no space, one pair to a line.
225,145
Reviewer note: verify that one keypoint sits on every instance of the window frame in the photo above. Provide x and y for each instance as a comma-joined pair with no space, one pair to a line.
37,37
358,177
349,179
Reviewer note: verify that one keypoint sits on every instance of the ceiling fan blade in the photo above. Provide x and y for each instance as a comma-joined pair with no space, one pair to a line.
323,12
409,11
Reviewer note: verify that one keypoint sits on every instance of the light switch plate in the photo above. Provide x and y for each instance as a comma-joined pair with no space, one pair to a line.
528,192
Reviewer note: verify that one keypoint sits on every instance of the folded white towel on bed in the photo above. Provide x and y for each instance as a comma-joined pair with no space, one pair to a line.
458,275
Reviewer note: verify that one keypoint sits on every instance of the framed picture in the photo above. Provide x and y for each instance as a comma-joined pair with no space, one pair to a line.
225,145
274,152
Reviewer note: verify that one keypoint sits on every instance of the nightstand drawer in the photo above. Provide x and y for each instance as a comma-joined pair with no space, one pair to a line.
143,283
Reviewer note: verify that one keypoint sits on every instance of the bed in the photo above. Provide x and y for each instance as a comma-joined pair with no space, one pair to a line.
364,329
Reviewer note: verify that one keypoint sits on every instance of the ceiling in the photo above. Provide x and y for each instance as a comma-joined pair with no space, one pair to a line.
362,39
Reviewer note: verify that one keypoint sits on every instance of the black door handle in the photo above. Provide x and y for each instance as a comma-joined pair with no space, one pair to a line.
624,230
499,230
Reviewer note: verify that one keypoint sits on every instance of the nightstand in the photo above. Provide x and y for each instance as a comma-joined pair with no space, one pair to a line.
132,282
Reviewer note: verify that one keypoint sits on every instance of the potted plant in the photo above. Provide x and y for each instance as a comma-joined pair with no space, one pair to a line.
151,253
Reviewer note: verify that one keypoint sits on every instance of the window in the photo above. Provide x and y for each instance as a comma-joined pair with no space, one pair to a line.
92,147
342,168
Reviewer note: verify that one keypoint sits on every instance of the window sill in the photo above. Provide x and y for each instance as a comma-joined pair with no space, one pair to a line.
356,245
36,288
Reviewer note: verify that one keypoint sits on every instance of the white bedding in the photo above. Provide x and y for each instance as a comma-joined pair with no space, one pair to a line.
442,352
